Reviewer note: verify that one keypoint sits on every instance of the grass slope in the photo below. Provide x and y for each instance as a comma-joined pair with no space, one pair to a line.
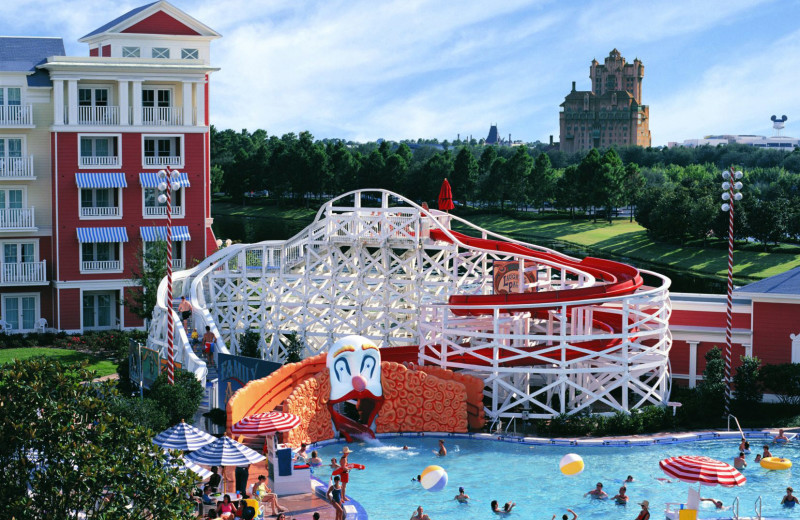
101,366
630,240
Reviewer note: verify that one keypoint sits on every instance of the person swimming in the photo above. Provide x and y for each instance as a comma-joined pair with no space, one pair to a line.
629,479
621,498
781,437
462,497
507,507
597,492
717,503
789,500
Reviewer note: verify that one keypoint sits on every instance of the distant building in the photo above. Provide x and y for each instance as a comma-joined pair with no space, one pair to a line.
776,142
611,113
495,139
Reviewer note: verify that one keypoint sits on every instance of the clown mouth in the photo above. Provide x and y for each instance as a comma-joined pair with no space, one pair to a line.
367,405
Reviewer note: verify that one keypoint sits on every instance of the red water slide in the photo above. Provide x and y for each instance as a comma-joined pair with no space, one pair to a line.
613,279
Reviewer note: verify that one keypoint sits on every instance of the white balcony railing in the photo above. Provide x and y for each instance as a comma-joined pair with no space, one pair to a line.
100,265
162,116
163,161
111,211
109,160
16,115
161,211
22,273
97,115
16,168
14,219
177,263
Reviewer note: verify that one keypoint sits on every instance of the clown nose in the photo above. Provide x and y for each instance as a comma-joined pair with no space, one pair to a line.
359,383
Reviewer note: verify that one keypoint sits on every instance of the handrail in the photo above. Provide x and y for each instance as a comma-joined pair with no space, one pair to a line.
737,424
757,508
735,508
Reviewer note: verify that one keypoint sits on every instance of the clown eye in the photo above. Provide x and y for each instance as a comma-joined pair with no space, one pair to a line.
368,365
341,367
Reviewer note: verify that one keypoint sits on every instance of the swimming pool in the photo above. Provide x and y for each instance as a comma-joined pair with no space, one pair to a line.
529,475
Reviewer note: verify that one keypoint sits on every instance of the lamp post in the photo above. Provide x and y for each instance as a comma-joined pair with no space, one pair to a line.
730,194
169,181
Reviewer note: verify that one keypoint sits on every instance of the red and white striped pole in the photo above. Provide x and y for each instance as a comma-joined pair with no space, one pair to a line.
732,187
170,321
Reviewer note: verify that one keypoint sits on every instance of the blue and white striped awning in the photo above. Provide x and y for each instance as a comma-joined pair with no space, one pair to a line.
102,234
155,233
150,179
101,180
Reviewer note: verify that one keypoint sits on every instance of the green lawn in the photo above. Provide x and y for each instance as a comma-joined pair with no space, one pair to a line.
101,366
228,208
630,240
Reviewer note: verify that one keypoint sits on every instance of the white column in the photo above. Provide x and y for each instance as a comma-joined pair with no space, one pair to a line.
200,102
123,102
692,363
187,103
137,102
58,101
748,350
72,101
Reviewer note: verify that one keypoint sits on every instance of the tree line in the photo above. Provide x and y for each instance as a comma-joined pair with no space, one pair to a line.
675,192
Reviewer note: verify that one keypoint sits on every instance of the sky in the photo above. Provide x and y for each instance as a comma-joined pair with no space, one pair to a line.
366,69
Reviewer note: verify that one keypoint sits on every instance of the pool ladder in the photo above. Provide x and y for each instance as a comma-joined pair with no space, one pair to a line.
737,424
756,509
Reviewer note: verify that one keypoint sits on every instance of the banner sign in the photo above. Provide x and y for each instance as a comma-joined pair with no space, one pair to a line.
506,277
145,364
236,371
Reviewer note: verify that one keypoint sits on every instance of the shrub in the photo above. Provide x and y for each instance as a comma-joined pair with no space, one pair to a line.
748,386
294,348
712,387
783,380
248,344
179,401
217,416
142,412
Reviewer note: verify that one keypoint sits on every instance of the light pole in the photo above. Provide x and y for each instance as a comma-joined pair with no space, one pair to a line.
168,181
731,188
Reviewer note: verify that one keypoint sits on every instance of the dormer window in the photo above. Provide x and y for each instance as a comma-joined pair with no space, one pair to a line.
161,52
131,52
189,54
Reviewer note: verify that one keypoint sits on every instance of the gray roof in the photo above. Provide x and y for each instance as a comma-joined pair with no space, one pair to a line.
119,20
23,54
784,283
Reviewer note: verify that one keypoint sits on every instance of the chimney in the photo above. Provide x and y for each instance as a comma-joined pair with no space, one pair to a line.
459,137
573,86
551,139
509,138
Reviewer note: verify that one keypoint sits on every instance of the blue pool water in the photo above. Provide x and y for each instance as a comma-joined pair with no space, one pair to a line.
529,475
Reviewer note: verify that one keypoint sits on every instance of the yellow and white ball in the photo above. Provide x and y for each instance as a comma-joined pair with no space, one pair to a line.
433,478
571,464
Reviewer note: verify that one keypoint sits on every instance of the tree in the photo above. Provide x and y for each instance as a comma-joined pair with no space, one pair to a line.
148,271
65,452
633,186
465,175
748,386
541,183
181,400
248,344
588,173
609,187
515,180
712,387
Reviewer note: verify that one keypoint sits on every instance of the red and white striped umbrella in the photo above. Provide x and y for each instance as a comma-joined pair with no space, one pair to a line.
704,470
265,423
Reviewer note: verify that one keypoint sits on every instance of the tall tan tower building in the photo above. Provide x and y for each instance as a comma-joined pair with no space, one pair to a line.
611,113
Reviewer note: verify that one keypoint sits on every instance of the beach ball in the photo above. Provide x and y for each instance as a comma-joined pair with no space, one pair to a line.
434,478
571,464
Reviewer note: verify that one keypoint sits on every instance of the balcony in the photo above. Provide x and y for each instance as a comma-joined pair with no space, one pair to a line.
177,264
161,211
97,266
104,116
23,273
16,219
87,161
162,116
14,116
103,212
163,161
16,169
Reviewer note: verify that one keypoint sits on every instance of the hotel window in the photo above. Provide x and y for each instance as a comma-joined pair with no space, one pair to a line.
189,54
101,256
99,310
131,52
21,311
154,208
162,151
11,96
161,52
100,202
99,151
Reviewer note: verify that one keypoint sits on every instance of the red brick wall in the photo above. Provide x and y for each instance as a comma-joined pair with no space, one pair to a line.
70,308
772,324
132,197
160,23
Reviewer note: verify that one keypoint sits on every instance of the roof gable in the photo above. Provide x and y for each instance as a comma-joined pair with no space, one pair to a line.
161,23
159,17
20,54
787,283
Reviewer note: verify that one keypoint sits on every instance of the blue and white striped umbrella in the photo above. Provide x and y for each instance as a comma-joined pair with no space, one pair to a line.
183,437
200,471
225,452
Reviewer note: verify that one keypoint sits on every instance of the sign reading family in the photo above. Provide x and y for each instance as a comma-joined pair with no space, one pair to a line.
507,278
145,364
236,371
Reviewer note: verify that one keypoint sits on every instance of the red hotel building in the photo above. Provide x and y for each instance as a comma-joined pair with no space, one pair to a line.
82,139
